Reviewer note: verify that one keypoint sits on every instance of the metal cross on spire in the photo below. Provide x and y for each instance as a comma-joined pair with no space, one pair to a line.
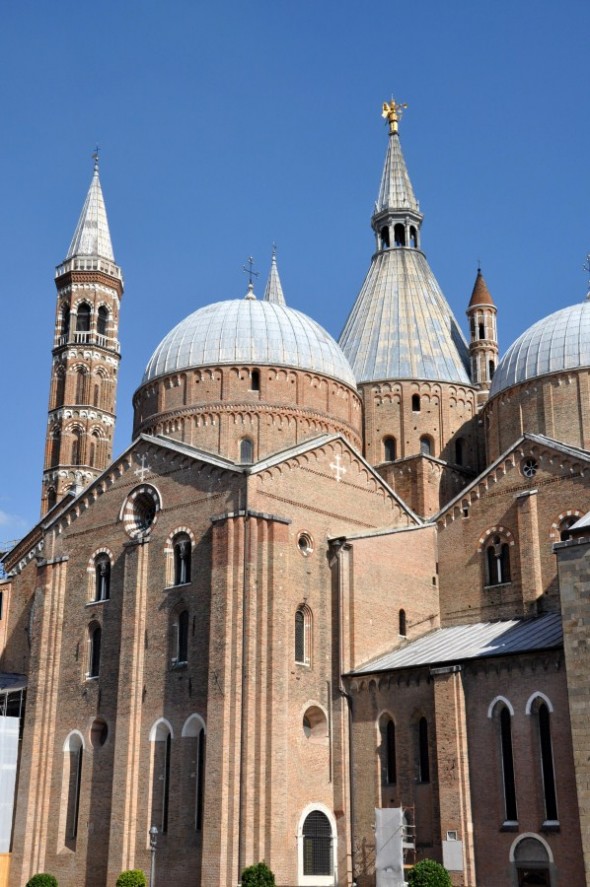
586,268
250,271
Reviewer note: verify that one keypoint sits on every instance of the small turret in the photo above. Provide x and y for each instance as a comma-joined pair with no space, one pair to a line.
483,339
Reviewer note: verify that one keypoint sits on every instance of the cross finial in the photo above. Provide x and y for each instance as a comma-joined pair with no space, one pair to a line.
274,250
251,273
95,158
393,111
141,472
586,268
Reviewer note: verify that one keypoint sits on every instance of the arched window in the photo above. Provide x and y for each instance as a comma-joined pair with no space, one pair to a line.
182,558
255,380
384,234
388,752
76,447
413,237
399,235
497,562
546,748
246,451
402,623
426,445
102,572
389,449
161,738
182,638
81,385
303,635
102,321
194,739
55,446
317,845
459,449
415,403
532,863
565,526
65,321
83,318
60,388
72,785
96,394
505,720
423,751
94,644
491,369
481,331
51,498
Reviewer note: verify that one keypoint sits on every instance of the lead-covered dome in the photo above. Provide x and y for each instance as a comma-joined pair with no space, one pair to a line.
252,332
556,343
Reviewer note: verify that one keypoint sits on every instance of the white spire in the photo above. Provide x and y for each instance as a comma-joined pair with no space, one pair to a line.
92,236
274,291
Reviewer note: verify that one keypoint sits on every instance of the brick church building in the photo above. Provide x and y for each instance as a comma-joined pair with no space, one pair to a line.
333,599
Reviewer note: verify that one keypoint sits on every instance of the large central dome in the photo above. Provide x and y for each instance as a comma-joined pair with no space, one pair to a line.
249,331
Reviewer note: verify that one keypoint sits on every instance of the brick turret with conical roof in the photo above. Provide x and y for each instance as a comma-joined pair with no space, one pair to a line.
86,355
408,353
483,345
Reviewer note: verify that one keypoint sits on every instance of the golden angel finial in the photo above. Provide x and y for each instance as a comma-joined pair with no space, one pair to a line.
393,111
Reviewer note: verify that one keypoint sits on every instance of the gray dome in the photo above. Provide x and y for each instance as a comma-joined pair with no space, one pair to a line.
558,342
249,331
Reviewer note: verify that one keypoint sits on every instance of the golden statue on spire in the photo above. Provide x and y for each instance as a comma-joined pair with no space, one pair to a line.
393,111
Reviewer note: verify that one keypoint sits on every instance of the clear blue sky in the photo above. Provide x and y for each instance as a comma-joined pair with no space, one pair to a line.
226,126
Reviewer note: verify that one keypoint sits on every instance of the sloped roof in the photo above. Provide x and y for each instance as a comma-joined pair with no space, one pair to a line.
395,190
479,640
481,294
92,236
273,291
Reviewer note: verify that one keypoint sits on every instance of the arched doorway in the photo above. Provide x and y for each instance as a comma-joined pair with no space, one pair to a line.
532,863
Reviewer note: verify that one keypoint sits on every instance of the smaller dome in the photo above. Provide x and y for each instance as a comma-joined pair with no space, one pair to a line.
249,331
556,343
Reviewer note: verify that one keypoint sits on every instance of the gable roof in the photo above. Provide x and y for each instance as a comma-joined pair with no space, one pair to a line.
479,640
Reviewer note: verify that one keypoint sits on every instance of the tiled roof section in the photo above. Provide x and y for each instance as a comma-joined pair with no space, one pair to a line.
274,291
556,343
395,190
92,236
481,294
401,326
477,641
249,331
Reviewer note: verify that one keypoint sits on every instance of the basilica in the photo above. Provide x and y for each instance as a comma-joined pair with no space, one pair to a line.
330,609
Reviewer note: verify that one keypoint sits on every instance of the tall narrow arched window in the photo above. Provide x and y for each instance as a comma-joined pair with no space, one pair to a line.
102,572
413,236
255,380
51,498
399,235
94,645
96,394
508,782
60,388
161,738
415,403
76,447
102,320
200,793
384,234
459,450
389,449
182,558
246,451
81,379
182,637
55,446
426,445
491,369
303,635
65,321
194,739
497,561
83,318
388,752
544,724
72,786
317,845
481,331
423,751
402,626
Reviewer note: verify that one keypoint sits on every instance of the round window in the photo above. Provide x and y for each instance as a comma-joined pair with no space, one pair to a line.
529,467
140,511
305,544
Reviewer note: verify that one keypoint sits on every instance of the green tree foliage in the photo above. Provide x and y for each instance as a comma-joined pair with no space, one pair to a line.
258,875
428,873
131,878
42,880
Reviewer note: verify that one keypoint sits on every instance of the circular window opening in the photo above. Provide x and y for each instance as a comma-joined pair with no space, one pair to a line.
529,467
140,512
305,544
98,733
315,724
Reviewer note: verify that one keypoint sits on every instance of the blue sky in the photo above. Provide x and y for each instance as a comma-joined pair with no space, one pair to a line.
225,127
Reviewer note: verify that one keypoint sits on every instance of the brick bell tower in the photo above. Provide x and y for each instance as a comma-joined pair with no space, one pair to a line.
85,356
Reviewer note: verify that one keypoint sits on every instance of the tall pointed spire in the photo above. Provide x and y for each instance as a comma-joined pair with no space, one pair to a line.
274,291
395,190
92,236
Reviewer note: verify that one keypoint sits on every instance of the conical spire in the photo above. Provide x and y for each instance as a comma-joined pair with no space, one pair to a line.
481,294
395,191
92,236
274,291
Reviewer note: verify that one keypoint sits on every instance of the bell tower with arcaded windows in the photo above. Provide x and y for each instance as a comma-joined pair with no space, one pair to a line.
86,355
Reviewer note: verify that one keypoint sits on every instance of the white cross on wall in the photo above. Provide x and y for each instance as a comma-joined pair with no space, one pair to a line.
339,469
141,472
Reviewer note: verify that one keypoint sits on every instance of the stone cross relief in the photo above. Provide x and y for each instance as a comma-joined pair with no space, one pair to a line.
337,468
141,472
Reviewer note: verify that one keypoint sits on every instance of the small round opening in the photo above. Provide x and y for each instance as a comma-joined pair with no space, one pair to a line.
529,467
98,733
305,544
